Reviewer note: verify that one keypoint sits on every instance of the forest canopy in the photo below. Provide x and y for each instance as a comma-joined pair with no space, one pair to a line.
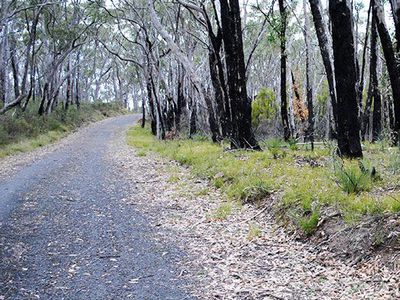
301,70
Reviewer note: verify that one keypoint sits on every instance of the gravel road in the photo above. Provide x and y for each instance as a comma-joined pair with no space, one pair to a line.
68,233
89,218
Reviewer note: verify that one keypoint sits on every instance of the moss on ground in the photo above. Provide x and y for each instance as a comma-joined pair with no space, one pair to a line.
25,131
306,181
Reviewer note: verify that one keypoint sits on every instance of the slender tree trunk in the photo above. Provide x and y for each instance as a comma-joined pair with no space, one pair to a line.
218,81
362,75
150,99
284,104
14,66
180,103
4,49
77,80
69,87
391,64
348,129
192,118
323,42
310,106
373,90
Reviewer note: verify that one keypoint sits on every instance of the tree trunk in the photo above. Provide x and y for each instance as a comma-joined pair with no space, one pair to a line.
77,79
324,49
218,81
395,4
373,90
69,87
362,75
192,119
284,105
4,47
310,107
391,64
14,66
242,135
348,129
180,103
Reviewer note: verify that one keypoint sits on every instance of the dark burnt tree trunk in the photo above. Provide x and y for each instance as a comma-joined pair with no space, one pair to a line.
322,37
169,114
377,112
143,121
282,36
152,113
395,4
374,96
348,128
242,135
192,118
310,107
393,71
180,102
218,79
211,118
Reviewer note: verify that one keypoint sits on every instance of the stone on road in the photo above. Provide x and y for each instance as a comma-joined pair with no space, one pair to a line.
67,233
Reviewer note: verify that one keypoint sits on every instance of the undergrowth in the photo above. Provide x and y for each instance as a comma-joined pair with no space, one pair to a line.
24,131
304,180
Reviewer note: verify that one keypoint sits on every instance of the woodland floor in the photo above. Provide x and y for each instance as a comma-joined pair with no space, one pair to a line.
92,218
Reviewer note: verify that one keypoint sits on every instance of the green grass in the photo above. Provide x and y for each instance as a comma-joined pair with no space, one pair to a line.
309,223
25,131
352,179
303,188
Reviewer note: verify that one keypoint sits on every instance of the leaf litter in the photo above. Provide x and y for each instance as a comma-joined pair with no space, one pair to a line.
222,262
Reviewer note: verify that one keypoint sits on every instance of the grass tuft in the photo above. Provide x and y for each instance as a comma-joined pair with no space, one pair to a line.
309,224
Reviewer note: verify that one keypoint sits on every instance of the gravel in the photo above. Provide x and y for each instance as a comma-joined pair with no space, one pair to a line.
67,231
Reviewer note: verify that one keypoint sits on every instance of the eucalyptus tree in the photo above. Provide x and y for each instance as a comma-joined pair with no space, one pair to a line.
282,34
323,41
228,76
348,128
391,63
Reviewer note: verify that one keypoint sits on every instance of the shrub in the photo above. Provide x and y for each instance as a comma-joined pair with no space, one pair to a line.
264,106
